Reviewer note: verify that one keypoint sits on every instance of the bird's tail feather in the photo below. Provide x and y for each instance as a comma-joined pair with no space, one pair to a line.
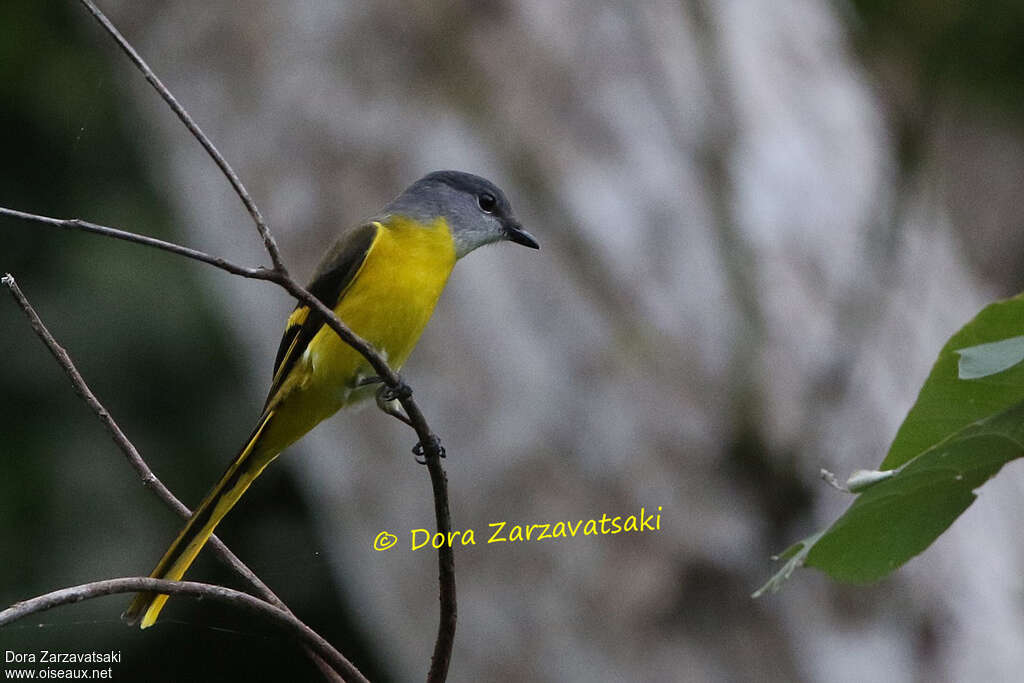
218,502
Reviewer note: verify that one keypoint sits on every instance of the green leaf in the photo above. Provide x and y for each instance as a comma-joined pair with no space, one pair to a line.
990,359
947,403
967,423
794,556
899,517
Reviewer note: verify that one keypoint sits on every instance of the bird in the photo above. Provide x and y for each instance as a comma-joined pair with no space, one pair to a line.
382,279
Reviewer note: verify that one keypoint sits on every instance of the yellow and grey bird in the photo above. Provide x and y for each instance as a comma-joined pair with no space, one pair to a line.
382,279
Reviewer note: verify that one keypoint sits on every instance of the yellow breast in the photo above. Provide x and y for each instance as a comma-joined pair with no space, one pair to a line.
389,301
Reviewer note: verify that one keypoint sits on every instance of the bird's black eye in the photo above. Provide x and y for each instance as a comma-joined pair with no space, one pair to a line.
487,202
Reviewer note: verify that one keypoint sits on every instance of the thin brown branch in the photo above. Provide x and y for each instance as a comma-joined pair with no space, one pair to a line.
279,273
428,441
149,479
193,127
442,655
432,454
116,233
282,619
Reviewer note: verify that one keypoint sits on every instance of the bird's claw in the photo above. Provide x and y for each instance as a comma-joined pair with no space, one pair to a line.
421,452
395,393
387,395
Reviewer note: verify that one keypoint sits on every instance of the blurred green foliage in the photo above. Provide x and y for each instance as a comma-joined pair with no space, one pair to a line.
974,49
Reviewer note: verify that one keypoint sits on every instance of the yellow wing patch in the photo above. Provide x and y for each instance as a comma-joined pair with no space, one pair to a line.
297,317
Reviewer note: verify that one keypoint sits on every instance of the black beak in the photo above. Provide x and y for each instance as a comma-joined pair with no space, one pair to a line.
515,233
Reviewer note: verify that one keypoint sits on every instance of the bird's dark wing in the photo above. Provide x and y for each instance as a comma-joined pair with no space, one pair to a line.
334,274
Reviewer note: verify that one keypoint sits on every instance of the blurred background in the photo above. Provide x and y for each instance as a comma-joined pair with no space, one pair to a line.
760,221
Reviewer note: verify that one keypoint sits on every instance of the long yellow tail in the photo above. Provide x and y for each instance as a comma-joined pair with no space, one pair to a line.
218,502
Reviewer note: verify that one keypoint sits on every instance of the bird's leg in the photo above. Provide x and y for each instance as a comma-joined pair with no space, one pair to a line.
387,396
395,393
389,404
421,452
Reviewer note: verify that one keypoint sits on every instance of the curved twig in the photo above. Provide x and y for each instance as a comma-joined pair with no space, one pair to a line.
284,620
428,441
117,233
149,479
193,127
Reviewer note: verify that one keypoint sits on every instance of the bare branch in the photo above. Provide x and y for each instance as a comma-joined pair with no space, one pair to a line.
442,656
282,619
279,273
149,479
86,226
197,133
428,441
432,452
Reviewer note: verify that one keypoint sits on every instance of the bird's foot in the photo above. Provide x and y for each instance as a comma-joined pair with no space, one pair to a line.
388,395
386,392
395,393
421,452
387,402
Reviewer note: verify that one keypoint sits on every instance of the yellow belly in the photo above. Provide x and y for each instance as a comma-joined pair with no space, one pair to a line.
388,304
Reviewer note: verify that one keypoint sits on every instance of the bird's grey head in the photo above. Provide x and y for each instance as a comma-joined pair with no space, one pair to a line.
477,212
